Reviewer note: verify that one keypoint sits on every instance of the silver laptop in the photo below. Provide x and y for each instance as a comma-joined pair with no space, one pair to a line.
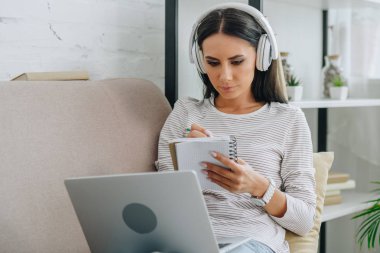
144,213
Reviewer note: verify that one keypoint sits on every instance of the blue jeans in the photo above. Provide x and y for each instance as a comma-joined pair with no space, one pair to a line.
252,246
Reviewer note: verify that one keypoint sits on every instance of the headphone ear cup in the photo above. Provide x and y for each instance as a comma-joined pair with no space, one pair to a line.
263,53
199,59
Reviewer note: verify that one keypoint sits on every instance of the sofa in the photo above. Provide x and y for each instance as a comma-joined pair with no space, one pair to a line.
52,130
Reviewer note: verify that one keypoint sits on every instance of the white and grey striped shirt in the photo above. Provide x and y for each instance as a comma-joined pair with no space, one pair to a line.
275,141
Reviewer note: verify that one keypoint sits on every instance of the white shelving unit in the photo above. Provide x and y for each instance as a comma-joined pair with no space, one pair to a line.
353,201
330,103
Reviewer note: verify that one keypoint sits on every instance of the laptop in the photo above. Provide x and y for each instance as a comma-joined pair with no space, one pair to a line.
145,213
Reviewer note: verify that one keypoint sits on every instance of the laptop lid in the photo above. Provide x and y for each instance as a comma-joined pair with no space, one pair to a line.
144,212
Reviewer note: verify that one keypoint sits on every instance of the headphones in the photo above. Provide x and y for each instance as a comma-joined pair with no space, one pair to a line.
266,51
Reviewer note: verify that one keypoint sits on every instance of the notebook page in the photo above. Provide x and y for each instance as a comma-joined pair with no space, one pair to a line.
191,154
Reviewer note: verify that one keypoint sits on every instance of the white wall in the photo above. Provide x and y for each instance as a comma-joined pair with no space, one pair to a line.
109,38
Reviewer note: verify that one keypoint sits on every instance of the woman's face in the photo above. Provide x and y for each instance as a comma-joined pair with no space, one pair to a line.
230,64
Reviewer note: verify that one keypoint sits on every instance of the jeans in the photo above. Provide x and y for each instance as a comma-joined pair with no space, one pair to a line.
252,246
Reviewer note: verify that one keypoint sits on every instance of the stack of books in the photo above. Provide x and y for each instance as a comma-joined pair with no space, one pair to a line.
336,183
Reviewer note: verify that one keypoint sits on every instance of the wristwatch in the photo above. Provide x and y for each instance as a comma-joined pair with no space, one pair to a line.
267,195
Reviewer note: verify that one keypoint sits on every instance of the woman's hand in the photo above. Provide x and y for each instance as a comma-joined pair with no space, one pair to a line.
198,131
240,178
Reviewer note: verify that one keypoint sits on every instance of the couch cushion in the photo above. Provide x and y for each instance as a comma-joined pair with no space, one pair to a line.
309,243
53,130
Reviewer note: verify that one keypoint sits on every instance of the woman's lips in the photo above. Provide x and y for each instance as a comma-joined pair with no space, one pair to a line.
226,88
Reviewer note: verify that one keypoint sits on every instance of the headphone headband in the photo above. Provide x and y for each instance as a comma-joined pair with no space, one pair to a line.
256,14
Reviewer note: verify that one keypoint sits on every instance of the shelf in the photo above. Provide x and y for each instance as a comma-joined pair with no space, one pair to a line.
330,4
330,103
353,202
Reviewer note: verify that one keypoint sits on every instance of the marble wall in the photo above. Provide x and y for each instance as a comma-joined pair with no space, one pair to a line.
108,38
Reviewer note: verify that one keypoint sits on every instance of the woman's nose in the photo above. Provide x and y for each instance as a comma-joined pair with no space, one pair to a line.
225,73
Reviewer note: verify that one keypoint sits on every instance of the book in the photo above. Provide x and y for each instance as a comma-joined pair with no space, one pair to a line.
333,200
333,193
337,177
188,153
350,184
52,76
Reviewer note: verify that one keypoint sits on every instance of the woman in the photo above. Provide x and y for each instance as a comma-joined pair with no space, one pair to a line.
270,188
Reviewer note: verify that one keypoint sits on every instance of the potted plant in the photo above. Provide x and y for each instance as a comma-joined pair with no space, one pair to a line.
368,229
338,89
294,88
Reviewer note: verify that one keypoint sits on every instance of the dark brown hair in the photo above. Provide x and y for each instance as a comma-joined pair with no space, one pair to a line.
267,86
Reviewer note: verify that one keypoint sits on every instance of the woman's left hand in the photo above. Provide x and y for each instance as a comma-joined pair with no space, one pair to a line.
240,178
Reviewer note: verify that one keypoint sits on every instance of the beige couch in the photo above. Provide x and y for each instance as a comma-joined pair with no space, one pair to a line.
53,130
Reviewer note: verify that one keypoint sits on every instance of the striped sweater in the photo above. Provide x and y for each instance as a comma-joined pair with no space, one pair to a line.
275,141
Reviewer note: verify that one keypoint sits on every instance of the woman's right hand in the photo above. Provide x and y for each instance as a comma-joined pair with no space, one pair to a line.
198,131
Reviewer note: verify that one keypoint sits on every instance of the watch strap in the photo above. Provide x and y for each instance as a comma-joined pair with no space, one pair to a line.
267,195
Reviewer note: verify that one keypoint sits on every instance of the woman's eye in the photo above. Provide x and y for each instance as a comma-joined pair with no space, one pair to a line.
237,62
212,63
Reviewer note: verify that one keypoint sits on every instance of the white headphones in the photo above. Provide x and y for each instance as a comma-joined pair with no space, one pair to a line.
266,51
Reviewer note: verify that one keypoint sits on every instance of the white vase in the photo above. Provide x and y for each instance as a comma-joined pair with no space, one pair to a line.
294,92
339,93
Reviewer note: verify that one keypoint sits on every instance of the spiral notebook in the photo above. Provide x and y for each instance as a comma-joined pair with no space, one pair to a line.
188,153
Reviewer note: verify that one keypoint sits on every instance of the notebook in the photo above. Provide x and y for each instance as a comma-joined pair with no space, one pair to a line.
144,213
188,153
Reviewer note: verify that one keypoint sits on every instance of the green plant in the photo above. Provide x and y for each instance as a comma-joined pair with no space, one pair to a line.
368,229
293,81
338,81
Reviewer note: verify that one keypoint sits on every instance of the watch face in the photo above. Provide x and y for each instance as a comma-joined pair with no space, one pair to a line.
258,202
267,195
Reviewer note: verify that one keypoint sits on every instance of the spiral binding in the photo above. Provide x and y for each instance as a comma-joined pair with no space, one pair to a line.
233,148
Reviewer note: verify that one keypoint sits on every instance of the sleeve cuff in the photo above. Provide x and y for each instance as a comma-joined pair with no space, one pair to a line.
299,216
